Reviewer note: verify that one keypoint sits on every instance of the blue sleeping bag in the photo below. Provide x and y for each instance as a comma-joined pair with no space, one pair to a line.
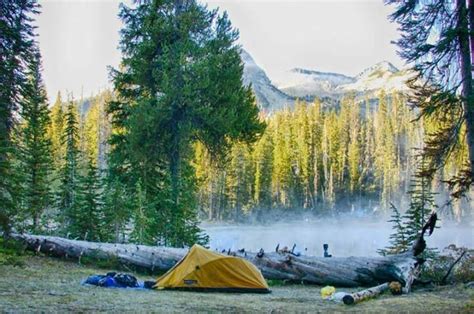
113,280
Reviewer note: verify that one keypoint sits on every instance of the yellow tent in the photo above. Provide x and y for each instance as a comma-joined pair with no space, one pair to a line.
202,269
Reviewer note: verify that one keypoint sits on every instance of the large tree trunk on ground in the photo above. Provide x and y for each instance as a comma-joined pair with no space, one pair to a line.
338,271
141,256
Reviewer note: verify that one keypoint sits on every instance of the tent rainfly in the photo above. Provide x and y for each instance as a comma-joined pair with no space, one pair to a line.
205,270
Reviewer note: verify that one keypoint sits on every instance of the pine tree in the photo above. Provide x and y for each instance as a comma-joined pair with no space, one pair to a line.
143,225
88,217
117,210
316,132
186,65
104,129
354,150
282,172
35,148
56,130
344,136
385,158
330,149
204,171
367,173
303,149
67,197
92,125
422,203
16,54
407,228
263,173
239,180
398,239
436,38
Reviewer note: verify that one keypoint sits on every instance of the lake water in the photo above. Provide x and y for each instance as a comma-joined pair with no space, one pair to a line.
344,237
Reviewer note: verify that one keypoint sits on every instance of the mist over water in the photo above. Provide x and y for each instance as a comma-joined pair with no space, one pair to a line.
345,237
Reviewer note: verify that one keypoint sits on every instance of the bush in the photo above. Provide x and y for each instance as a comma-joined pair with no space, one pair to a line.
12,253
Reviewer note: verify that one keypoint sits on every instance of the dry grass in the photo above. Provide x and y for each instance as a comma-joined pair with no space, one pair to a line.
50,285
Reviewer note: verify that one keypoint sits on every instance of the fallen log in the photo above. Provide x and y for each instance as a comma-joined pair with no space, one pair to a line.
336,271
357,297
155,259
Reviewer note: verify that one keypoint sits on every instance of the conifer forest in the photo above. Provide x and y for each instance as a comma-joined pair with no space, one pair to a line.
179,138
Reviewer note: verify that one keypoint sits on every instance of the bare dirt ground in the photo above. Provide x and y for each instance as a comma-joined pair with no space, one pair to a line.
43,284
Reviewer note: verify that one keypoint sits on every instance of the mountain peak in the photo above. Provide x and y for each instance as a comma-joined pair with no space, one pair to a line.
307,84
378,69
300,82
268,96
247,58
387,66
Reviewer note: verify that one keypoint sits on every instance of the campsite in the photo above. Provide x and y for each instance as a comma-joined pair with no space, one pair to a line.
244,156
47,284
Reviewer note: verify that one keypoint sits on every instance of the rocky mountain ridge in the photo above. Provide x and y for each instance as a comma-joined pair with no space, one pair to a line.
300,83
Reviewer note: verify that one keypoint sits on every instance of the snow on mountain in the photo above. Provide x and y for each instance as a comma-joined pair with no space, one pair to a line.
309,84
330,87
303,83
377,69
267,95
382,75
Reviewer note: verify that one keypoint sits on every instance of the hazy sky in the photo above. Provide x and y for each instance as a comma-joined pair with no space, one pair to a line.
79,38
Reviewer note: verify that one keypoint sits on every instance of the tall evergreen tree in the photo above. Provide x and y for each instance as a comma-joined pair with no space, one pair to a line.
354,148
143,223
303,157
399,242
182,68
422,203
88,217
367,174
408,227
67,197
35,148
282,173
56,130
263,172
316,131
239,179
17,43
92,126
436,37
117,210
385,155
